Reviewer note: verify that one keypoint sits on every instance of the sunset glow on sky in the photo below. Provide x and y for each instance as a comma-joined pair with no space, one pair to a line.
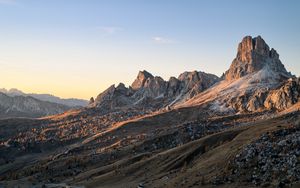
78,48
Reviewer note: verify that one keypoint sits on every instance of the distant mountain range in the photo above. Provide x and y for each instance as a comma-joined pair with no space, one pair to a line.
71,102
15,103
27,106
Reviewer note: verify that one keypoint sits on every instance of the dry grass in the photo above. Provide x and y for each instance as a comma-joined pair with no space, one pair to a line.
190,165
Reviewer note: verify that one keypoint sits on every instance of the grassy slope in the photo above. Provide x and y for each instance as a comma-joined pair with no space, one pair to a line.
190,165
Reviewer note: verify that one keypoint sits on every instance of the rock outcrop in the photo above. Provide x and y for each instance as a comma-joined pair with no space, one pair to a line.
256,81
262,99
92,100
196,82
284,97
142,77
148,91
113,97
270,86
253,55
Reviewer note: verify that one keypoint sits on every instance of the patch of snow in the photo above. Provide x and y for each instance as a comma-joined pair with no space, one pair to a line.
179,97
138,101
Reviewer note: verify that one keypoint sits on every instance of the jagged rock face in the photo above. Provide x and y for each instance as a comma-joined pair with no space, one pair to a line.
142,77
196,82
149,91
253,55
92,100
264,76
155,86
173,87
113,97
256,81
277,99
285,96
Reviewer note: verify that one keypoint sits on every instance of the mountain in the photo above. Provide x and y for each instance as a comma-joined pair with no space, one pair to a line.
196,130
256,81
152,92
253,80
47,97
12,92
26,106
254,55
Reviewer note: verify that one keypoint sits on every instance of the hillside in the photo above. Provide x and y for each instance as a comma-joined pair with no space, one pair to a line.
25,106
47,97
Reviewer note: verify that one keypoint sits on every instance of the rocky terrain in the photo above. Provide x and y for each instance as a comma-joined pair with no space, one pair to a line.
253,55
197,130
256,81
272,159
149,92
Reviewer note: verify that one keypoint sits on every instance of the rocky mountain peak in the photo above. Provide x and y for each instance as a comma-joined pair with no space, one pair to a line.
12,92
253,55
250,45
148,91
121,86
106,95
92,100
141,79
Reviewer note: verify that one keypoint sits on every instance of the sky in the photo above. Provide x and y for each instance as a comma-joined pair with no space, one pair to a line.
78,48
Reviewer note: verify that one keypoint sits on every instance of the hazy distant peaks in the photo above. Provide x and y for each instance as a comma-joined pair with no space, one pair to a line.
46,97
12,91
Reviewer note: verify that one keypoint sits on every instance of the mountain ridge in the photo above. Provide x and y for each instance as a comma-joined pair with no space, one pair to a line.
27,106
155,91
72,102
249,85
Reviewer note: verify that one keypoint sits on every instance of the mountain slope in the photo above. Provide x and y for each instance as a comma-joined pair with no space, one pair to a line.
25,106
206,162
47,97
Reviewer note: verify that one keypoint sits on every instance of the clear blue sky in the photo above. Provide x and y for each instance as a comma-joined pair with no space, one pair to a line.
77,48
